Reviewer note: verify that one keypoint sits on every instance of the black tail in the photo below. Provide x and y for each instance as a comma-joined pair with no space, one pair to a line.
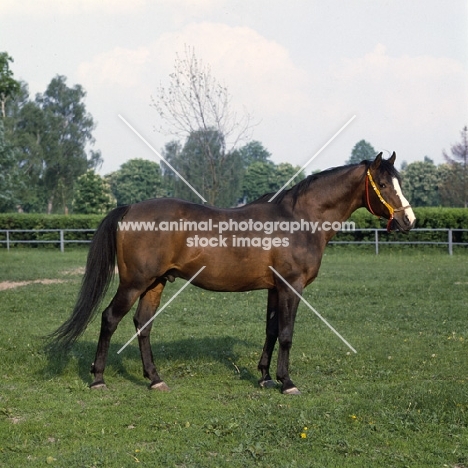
99,272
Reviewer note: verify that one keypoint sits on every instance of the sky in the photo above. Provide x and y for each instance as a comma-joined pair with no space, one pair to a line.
300,68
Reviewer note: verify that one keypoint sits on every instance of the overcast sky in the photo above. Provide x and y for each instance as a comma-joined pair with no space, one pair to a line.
302,68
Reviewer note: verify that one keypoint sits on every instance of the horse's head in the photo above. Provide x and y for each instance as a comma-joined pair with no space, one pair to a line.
384,196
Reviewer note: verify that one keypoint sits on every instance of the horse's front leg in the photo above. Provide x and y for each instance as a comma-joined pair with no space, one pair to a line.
287,304
271,336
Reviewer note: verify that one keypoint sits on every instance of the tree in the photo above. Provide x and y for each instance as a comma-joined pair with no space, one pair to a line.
258,179
264,177
420,183
27,130
254,151
10,177
189,162
8,85
284,171
171,154
455,187
51,135
362,150
68,131
196,108
135,181
92,195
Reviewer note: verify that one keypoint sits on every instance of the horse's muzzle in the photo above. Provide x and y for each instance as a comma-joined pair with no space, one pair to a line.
403,225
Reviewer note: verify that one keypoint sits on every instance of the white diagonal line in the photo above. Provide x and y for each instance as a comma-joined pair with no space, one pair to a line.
313,157
160,310
158,155
313,310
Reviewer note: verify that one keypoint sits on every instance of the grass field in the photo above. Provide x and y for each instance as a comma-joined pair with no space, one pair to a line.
401,401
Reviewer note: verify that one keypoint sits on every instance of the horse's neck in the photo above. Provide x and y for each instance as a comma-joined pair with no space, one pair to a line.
334,199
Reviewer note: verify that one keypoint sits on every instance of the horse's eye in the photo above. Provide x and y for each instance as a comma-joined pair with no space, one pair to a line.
382,185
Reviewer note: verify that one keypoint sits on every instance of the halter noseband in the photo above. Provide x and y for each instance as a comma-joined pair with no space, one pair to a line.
387,205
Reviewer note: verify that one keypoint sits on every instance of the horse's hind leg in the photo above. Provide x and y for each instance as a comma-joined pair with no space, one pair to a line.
288,302
149,302
271,336
112,315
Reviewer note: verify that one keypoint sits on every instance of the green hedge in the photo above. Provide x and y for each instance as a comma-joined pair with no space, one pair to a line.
42,221
426,218
430,218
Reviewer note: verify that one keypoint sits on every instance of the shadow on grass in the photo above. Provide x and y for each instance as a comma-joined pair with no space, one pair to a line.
176,355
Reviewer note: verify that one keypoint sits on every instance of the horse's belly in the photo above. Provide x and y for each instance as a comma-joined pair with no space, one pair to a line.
226,271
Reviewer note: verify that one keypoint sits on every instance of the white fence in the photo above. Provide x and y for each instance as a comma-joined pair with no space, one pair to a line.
377,237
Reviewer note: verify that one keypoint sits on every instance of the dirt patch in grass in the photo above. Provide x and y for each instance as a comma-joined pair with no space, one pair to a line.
74,271
81,271
4,285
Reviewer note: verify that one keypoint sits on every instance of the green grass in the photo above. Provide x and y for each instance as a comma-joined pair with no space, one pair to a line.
402,401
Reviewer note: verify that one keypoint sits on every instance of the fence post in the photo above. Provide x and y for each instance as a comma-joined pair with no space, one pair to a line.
8,241
62,243
376,231
450,242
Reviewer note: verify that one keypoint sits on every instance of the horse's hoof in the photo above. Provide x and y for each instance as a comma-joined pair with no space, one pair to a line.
291,391
161,386
98,384
267,383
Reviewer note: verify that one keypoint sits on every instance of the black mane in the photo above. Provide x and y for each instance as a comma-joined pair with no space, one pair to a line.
303,185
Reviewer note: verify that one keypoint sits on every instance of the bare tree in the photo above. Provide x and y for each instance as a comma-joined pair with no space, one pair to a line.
458,163
196,106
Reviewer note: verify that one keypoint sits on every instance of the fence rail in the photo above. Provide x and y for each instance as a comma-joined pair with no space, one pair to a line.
12,239
377,241
61,237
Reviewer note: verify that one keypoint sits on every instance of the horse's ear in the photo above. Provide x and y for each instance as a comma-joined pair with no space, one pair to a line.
376,163
392,158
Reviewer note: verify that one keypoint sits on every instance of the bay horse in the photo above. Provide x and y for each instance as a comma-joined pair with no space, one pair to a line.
147,259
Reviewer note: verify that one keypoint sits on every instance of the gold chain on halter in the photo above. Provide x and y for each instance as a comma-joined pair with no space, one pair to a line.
377,191
389,207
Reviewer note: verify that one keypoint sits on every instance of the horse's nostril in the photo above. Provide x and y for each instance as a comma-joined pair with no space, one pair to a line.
409,222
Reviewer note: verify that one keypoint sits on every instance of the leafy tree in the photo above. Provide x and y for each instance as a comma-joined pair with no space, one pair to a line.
258,179
454,190
190,163
252,152
196,108
135,181
28,130
92,195
420,183
8,85
52,134
284,171
68,131
171,153
362,150
10,176
264,177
